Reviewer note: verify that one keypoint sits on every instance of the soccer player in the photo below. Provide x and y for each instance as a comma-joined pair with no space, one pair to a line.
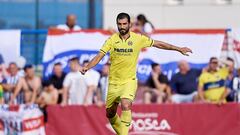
124,48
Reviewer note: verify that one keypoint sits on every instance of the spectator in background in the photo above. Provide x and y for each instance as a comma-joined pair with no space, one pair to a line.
92,78
1,94
21,62
49,96
236,86
3,71
75,86
184,84
232,74
1,59
212,83
9,84
103,85
158,89
57,79
71,24
30,85
143,25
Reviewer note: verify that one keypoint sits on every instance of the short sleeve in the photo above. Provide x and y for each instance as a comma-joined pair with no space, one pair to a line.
67,81
106,46
146,41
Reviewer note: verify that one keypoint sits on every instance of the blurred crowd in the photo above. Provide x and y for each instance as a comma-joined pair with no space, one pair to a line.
218,82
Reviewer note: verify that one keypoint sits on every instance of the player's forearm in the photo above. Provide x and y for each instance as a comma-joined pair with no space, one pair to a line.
94,61
165,46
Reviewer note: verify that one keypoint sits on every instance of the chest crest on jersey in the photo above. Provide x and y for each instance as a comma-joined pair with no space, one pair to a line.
130,43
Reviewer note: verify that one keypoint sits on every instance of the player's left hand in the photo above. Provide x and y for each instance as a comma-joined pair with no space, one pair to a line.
185,51
83,70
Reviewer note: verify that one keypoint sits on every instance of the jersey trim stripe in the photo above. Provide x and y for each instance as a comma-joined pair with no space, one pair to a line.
102,51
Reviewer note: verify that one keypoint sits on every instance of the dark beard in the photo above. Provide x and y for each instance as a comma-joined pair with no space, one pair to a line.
123,32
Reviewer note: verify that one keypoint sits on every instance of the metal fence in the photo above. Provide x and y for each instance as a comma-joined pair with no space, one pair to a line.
32,45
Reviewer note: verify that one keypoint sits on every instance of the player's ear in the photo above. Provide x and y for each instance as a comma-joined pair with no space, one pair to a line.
130,25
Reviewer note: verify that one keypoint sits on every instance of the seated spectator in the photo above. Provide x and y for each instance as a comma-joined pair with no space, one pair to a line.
184,84
236,86
143,25
1,94
9,84
49,96
2,68
75,86
103,85
92,78
229,82
158,89
57,79
212,83
30,85
70,24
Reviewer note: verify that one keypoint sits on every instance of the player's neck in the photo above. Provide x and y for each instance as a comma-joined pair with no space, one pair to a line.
125,37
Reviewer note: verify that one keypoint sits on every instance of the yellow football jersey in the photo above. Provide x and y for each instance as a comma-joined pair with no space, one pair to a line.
213,84
124,55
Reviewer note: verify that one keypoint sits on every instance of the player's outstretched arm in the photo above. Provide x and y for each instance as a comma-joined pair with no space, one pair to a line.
166,46
92,63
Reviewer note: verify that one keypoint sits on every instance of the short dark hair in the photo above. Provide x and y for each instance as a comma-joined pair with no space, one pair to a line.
213,58
85,61
154,65
58,64
12,63
230,59
47,83
122,16
142,18
74,59
28,66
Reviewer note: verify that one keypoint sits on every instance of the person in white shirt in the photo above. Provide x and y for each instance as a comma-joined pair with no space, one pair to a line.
145,27
92,79
101,93
70,24
75,86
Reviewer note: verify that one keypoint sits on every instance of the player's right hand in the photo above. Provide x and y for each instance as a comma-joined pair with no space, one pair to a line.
83,70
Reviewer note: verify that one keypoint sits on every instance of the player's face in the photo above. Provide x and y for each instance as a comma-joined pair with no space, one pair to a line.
123,26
